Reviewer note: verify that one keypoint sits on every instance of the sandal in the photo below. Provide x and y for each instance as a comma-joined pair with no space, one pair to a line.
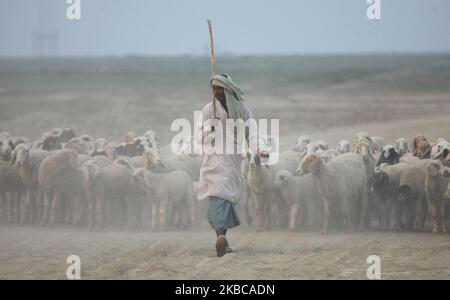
221,245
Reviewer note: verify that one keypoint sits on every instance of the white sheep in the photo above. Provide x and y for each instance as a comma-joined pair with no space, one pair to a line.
299,192
343,181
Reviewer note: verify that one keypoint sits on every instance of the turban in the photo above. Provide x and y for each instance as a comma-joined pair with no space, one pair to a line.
233,95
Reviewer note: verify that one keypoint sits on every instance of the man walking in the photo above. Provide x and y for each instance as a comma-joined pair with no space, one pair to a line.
221,179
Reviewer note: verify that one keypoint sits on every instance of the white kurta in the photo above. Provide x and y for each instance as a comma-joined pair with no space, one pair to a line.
221,174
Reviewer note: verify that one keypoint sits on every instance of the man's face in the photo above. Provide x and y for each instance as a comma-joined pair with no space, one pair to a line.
219,92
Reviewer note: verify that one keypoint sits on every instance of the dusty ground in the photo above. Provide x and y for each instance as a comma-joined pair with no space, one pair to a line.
327,97
30,253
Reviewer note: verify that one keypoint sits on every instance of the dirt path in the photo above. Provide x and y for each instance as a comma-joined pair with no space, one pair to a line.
40,253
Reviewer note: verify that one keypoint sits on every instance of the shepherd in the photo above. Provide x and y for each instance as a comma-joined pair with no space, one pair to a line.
221,178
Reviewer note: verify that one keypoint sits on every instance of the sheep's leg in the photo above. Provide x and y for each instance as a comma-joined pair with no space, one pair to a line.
99,212
163,213
70,210
15,201
3,208
434,217
293,217
346,213
259,212
26,206
267,214
424,213
388,212
443,217
193,209
10,218
79,209
381,213
326,216
91,211
55,208
138,211
46,209
363,210
33,214
122,211
40,199
155,216
27,209
246,204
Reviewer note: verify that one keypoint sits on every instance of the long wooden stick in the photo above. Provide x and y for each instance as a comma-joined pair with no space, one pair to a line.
213,67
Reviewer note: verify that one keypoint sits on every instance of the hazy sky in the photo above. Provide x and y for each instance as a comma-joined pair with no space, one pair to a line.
175,27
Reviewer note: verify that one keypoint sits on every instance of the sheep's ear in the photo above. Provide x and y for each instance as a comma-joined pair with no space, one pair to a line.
446,172
314,164
414,145
14,157
433,169
439,155
445,153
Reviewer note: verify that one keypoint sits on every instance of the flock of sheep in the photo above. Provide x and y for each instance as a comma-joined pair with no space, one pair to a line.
63,178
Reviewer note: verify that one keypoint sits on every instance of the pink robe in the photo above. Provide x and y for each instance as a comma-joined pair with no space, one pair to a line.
221,174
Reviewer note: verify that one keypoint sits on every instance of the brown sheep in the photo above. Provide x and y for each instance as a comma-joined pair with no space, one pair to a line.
61,176
28,160
435,188
421,147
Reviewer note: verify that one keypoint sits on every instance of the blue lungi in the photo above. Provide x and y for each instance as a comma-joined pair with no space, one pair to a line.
222,214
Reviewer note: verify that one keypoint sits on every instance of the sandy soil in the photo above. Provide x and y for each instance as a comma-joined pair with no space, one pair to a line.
31,253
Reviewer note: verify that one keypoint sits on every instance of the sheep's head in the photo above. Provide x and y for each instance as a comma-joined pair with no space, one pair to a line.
344,147
152,139
416,141
364,150
447,193
282,177
423,150
140,176
51,142
20,155
153,158
322,145
434,168
364,146
67,134
446,172
302,141
253,160
79,148
93,170
389,155
310,164
443,155
6,146
402,146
